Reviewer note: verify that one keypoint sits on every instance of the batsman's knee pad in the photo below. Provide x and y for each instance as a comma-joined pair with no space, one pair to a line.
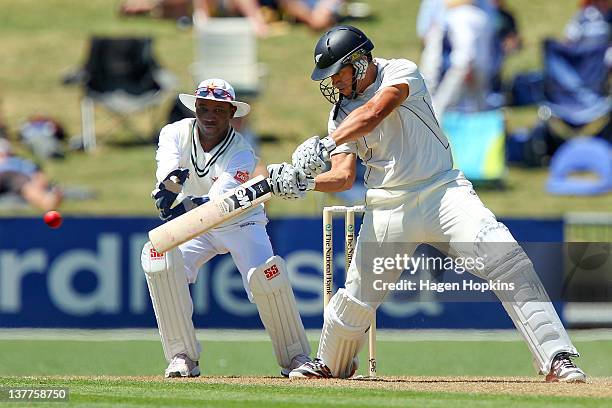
165,275
273,295
492,244
523,295
346,321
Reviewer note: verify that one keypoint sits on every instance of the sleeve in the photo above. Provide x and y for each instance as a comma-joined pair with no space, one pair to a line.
19,165
30,168
403,71
239,170
350,147
168,151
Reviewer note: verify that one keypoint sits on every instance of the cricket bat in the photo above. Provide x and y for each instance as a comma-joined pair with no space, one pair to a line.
207,216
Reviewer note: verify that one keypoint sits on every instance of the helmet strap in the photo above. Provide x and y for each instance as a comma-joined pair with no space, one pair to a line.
354,88
337,107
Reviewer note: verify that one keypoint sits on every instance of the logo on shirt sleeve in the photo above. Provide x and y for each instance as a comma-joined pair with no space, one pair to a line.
242,176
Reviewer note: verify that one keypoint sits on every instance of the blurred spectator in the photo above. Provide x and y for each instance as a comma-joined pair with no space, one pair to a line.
170,9
430,16
507,41
316,14
201,10
25,179
205,9
136,7
43,136
506,29
3,127
430,29
465,29
591,24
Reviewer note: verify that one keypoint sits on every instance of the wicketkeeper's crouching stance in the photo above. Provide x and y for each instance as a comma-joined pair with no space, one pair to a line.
382,113
200,159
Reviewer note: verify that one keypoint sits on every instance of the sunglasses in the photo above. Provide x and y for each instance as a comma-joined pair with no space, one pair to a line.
217,93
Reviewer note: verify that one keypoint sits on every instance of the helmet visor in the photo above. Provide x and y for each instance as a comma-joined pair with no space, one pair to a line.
322,73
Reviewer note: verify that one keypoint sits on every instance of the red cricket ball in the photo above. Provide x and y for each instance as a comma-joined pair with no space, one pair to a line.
53,219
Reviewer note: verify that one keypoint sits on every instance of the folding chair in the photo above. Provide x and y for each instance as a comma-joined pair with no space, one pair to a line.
122,75
576,88
227,48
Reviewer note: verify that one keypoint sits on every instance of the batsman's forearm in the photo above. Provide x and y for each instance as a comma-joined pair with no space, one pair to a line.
358,123
364,119
333,181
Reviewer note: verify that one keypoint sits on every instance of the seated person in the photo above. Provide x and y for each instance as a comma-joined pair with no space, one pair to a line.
205,9
27,180
316,14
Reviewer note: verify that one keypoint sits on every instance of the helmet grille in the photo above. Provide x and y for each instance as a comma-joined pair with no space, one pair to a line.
328,91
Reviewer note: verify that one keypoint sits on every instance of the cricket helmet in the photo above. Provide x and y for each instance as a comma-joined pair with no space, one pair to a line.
340,46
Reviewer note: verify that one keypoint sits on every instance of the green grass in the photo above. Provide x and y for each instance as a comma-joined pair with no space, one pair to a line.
42,40
431,358
127,393
39,363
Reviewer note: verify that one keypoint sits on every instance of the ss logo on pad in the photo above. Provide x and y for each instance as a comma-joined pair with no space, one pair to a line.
271,272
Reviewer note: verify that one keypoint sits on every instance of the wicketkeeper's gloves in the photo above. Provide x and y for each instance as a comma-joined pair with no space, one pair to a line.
187,204
167,190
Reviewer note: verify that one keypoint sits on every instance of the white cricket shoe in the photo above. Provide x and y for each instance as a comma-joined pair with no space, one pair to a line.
563,369
312,369
182,366
295,363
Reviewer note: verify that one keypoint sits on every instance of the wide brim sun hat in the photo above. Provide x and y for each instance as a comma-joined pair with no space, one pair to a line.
216,89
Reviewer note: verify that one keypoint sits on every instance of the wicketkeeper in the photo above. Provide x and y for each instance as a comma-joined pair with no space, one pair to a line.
198,159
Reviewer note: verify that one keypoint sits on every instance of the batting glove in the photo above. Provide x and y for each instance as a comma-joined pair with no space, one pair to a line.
312,155
167,190
288,182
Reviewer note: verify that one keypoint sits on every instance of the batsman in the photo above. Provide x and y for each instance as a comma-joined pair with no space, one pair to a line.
382,112
199,159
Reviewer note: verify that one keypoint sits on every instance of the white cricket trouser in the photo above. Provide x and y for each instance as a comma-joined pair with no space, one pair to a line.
448,214
248,243
446,210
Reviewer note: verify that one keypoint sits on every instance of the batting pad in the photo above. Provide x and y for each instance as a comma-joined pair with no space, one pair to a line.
165,274
528,305
346,321
278,311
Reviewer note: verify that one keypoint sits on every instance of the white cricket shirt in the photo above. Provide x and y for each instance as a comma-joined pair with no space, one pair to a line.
408,147
223,168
